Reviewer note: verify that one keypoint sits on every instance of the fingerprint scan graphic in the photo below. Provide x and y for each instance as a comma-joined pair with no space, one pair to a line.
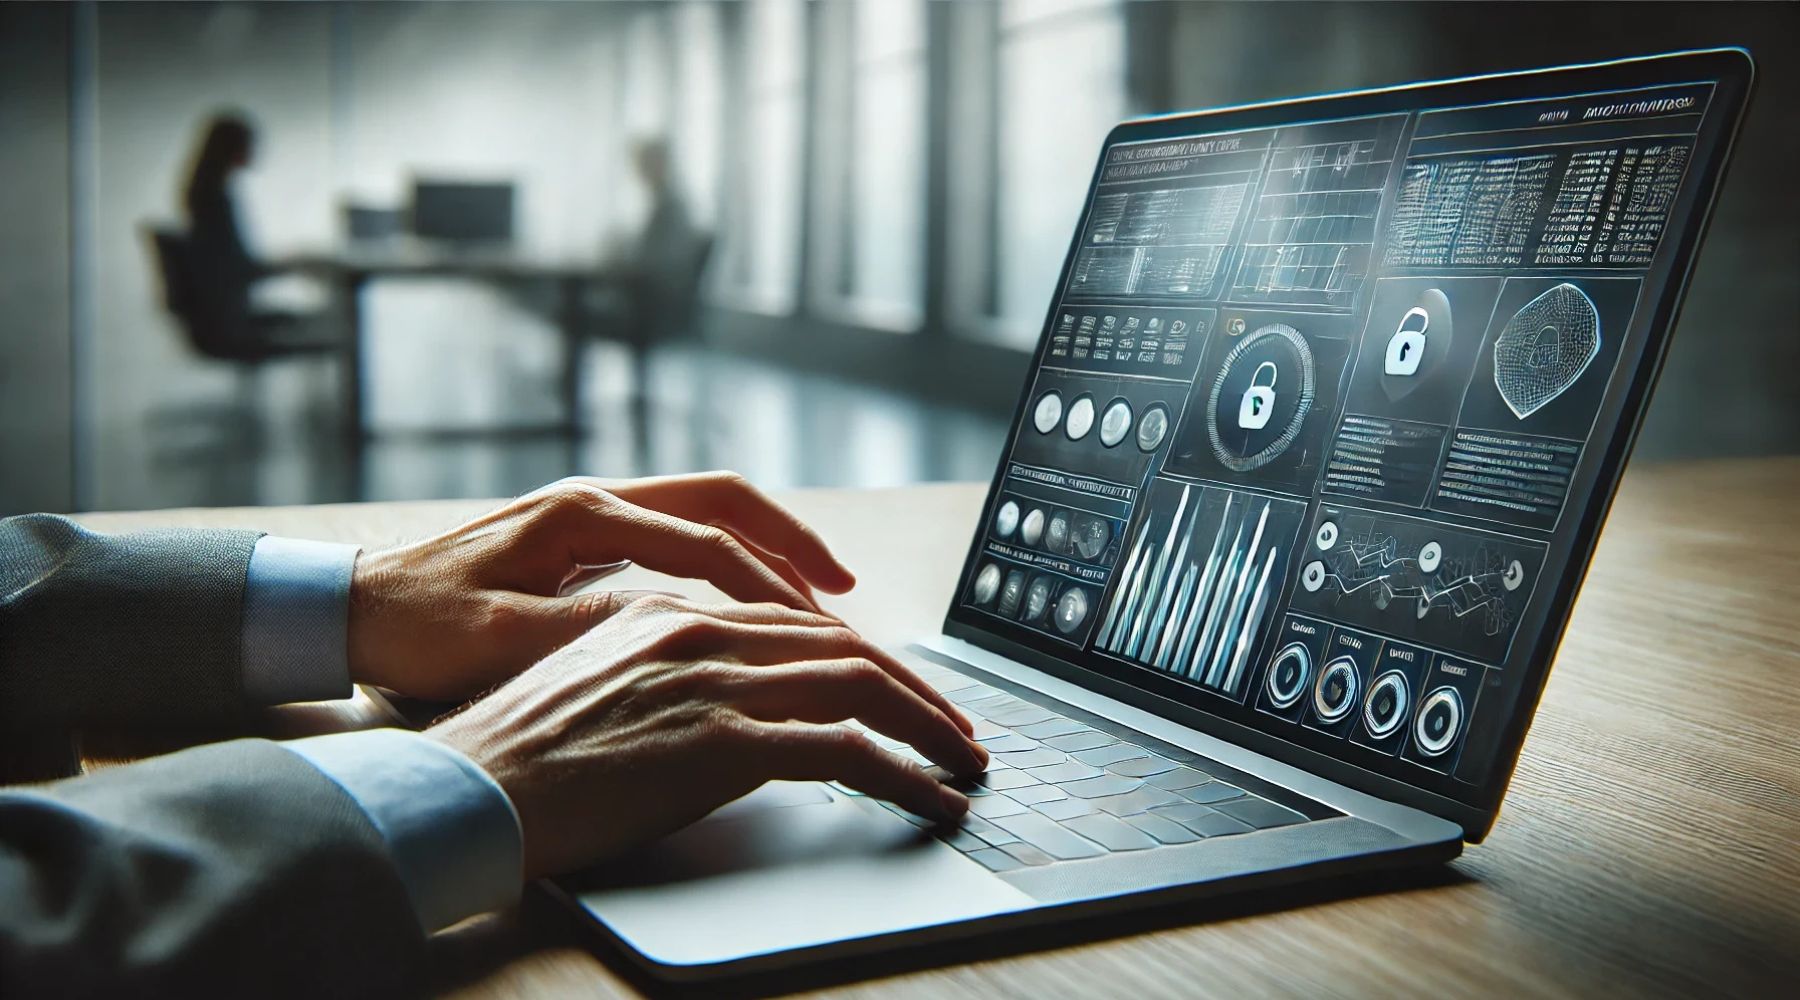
1545,348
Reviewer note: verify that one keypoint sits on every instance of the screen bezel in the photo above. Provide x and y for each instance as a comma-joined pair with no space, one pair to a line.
1732,72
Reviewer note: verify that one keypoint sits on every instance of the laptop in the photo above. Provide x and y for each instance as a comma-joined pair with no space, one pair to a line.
462,212
1314,449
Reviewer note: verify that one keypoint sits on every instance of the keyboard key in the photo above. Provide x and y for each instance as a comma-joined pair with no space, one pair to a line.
1099,787
1260,813
986,730
1047,836
1033,794
999,701
1024,715
1058,726
1202,820
1212,791
1111,833
1182,812
1035,757
1181,777
962,840
1087,739
918,821
994,806
974,692
1135,801
1027,854
996,860
1109,754
1009,778
1068,770
987,831
1010,743
1142,767
1063,808
1164,830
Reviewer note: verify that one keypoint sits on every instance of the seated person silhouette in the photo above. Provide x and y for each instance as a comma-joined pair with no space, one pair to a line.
220,269
654,278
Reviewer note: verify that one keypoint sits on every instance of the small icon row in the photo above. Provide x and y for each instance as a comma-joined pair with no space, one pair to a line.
1335,693
1077,420
1055,530
1039,600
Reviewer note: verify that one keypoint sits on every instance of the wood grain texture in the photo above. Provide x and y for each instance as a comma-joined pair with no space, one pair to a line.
1650,843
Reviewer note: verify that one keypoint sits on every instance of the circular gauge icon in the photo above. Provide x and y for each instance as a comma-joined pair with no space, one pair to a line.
987,583
1440,719
1048,412
1430,556
1153,427
1260,397
1385,708
1033,527
1115,423
1037,599
1006,520
1335,693
1091,535
1071,610
1057,533
1081,418
1288,674
1313,576
1326,536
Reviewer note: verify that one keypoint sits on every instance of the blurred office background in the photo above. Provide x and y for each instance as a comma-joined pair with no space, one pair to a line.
879,196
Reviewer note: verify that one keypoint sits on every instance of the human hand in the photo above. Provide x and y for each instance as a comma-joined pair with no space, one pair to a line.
451,616
669,710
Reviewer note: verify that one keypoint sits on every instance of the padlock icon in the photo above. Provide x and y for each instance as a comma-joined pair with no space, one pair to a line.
1258,403
1406,348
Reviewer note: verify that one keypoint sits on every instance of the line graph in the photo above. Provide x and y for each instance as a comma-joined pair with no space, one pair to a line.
1446,587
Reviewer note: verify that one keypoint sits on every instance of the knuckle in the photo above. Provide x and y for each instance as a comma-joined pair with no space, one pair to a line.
716,538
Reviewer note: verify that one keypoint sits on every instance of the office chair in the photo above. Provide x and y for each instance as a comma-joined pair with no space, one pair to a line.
654,316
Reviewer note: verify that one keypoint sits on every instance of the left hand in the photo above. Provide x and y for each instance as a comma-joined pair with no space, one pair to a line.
452,616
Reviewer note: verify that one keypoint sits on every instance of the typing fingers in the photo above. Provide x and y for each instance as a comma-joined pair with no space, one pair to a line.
824,691
797,751
727,500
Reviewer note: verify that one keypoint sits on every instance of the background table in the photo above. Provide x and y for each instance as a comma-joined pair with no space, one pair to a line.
1650,842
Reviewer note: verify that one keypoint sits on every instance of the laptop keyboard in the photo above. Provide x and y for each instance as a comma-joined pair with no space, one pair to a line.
1059,790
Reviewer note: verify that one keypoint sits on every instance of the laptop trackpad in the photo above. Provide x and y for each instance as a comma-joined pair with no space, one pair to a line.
790,865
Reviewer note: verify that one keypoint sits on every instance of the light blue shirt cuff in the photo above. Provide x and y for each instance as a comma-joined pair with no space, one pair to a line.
451,830
296,644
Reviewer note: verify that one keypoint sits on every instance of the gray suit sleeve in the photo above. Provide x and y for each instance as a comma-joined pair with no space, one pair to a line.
237,869
98,629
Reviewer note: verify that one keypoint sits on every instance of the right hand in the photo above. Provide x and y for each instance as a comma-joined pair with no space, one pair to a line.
668,710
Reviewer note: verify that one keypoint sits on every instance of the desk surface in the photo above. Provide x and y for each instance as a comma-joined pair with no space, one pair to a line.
1648,844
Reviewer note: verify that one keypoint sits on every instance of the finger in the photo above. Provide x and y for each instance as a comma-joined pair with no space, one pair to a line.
728,500
797,751
838,690
581,576
603,528
781,566
761,645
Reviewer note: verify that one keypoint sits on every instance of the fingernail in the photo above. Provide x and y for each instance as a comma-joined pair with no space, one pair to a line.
981,754
955,803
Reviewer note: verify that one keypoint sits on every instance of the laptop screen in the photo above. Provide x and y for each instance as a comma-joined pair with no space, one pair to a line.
1333,395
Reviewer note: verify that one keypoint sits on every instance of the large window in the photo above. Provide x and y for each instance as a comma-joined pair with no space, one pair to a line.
700,101
886,207
765,241
1060,86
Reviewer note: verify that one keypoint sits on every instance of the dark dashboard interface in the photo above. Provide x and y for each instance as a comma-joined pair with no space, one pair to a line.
1315,400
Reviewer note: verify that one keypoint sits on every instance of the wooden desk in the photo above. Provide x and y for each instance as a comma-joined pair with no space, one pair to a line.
1650,843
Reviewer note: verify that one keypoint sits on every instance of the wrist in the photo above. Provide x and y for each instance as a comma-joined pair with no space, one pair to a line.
371,584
